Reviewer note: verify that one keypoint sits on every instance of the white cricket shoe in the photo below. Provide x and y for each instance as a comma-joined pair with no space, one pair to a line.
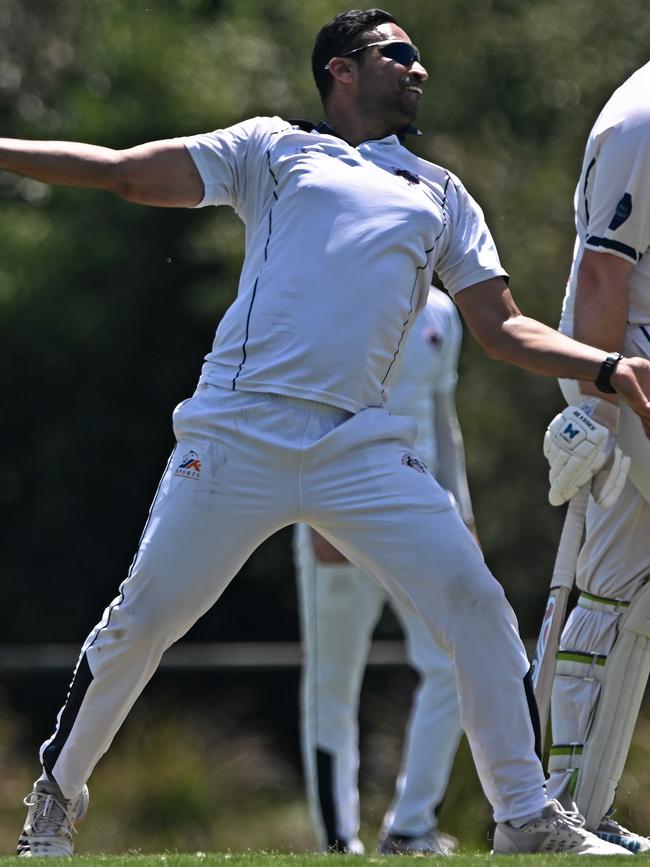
431,842
555,831
612,831
50,824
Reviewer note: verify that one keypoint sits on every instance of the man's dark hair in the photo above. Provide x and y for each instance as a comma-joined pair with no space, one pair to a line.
347,31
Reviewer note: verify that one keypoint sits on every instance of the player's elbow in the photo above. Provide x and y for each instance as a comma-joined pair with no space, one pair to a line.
129,176
508,340
124,181
496,335
497,347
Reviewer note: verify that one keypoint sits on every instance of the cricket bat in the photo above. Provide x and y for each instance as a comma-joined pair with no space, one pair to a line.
562,579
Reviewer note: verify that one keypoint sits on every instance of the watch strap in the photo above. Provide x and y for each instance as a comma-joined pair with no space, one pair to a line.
607,368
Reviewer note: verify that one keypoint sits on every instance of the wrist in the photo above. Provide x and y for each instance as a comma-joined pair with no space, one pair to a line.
607,369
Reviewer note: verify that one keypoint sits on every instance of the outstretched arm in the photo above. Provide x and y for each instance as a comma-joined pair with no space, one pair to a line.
158,173
507,335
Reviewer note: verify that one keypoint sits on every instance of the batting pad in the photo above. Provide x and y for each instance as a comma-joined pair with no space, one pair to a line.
623,683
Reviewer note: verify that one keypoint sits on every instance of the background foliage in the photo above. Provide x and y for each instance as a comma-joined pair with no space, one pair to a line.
106,309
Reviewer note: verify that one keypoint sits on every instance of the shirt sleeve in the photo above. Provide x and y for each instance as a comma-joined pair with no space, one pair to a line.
230,162
616,194
469,254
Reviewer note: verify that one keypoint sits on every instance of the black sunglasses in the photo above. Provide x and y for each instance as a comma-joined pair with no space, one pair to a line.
401,52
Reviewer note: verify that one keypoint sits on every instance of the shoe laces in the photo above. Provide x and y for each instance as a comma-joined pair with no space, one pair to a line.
50,817
560,818
610,825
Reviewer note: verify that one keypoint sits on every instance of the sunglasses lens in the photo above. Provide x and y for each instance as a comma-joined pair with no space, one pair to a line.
401,52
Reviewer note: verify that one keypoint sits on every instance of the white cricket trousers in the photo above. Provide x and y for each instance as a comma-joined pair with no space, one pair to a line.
247,464
339,608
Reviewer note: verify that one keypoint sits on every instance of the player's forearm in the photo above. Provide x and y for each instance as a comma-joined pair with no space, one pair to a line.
61,163
534,346
156,173
496,322
507,335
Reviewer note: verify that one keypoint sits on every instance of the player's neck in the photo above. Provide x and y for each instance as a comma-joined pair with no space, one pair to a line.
355,128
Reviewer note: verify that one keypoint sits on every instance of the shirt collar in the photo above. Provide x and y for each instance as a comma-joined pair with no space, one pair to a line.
326,129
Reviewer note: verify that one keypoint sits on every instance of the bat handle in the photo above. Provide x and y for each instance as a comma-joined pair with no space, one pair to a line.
568,549
564,570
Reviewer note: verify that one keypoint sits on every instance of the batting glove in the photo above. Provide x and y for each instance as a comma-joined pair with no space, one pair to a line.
580,445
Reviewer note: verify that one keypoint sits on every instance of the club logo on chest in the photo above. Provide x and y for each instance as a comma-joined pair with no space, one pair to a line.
414,463
409,177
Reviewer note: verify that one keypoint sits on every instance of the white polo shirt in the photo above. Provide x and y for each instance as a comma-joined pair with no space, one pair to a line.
341,246
612,199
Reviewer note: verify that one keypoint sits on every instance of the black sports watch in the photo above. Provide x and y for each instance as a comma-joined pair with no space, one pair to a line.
603,380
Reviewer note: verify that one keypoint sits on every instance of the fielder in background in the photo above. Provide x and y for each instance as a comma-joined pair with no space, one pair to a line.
340,606
344,230
604,653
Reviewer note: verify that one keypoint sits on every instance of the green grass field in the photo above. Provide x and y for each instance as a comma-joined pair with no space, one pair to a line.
270,859
191,786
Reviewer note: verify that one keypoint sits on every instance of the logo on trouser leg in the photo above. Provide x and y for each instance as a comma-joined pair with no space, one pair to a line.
415,463
190,466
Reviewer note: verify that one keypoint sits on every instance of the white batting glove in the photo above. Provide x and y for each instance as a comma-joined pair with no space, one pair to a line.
580,445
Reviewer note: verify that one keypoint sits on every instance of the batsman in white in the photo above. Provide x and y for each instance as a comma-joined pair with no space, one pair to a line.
340,606
344,229
604,656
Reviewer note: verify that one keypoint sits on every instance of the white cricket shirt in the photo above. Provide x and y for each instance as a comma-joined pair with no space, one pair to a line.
428,368
612,199
341,246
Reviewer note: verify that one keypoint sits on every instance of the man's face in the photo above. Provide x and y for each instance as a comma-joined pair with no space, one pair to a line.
386,88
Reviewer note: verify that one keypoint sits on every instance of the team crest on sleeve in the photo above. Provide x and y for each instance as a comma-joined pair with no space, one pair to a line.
409,177
622,212
414,463
189,467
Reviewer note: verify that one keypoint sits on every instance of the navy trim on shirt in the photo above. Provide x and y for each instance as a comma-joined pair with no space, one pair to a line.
584,191
326,129
608,244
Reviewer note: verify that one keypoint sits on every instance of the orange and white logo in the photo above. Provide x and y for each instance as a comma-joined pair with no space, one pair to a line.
189,467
